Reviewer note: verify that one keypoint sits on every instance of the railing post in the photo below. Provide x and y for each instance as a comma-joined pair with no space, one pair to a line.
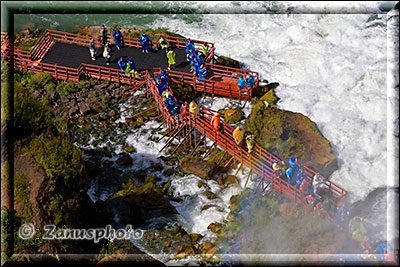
56,71
99,72
109,74
212,92
230,95
119,81
41,67
66,74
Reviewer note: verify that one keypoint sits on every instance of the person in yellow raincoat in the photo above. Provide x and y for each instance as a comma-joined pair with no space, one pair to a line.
193,108
238,135
250,142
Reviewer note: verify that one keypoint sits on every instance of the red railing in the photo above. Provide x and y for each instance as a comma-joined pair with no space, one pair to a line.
211,86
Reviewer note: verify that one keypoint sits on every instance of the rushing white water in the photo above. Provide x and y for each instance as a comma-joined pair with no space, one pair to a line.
331,68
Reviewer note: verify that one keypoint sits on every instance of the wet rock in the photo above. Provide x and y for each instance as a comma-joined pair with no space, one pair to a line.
288,134
200,184
124,160
231,115
129,149
227,180
208,249
210,195
215,227
183,251
199,167
289,211
73,110
83,108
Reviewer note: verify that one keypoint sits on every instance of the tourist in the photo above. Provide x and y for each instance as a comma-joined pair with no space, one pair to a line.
215,121
131,64
200,58
250,142
191,56
357,228
276,169
145,42
250,80
195,66
289,175
283,169
366,245
92,49
122,64
300,177
163,43
292,161
206,48
117,38
163,76
201,73
318,185
241,82
171,58
165,95
193,108
107,53
189,47
103,35
238,135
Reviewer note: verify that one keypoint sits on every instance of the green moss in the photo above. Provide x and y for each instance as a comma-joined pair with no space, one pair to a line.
67,88
215,156
270,97
39,80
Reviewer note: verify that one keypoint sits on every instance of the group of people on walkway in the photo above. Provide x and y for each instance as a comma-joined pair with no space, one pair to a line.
104,44
168,99
197,58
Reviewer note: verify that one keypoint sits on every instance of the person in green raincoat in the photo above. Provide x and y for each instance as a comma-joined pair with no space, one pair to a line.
206,48
171,58
357,229
250,142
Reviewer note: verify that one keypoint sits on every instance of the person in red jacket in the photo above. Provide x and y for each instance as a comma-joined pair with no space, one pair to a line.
215,120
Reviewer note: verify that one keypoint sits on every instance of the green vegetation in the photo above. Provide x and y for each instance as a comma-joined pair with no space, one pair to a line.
43,135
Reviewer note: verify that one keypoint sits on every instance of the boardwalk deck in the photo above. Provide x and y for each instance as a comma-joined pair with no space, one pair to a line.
72,55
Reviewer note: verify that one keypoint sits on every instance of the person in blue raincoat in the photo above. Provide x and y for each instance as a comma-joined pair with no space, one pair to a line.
241,82
300,176
289,175
250,80
117,38
189,45
122,64
196,66
201,73
383,249
163,75
145,42
200,58
132,64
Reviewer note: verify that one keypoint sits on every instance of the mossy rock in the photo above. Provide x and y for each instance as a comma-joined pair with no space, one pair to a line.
129,149
227,61
270,97
215,227
227,180
183,91
232,115
166,186
200,184
286,134
210,195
